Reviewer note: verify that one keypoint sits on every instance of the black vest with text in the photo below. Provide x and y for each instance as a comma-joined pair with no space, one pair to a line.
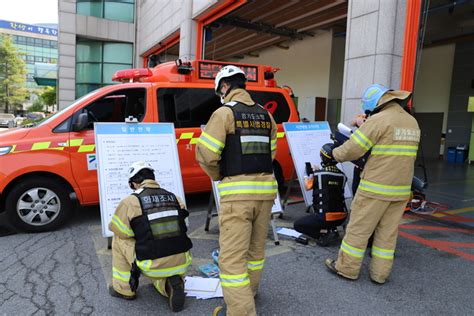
249,149
328,193
161,229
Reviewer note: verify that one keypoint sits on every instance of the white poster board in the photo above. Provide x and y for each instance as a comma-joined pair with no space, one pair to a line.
276,208
305,141
118,145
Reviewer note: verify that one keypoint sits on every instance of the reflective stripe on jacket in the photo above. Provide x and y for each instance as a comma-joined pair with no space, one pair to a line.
392,136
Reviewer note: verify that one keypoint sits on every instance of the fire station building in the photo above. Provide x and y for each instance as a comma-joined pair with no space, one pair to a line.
328,51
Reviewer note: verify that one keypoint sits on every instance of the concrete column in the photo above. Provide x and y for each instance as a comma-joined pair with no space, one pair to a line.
187,41
67,53
374,49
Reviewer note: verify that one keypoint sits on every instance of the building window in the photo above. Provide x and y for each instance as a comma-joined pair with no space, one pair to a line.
96,62
117,10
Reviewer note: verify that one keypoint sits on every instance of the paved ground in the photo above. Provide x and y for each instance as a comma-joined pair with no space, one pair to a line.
66,272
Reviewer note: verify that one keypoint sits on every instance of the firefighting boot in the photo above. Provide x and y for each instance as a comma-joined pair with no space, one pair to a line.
328,238
175,289
114,293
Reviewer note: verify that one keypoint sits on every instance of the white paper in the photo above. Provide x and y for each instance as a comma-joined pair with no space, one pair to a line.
344,130
202,288
288,232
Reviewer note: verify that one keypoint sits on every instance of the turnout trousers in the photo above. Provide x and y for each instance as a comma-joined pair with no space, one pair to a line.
158,270
243,229
369,216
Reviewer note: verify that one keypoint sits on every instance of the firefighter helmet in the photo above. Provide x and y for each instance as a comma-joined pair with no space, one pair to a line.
372,96
327,158
136,167
226,72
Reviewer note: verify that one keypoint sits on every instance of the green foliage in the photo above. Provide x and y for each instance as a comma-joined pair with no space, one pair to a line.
38,106
12,74
49,96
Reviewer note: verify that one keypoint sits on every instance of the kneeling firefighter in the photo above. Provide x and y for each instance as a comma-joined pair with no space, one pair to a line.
149,237
328,201
392,136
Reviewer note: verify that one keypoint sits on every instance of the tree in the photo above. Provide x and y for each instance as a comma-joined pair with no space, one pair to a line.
12,75
49,96
37,106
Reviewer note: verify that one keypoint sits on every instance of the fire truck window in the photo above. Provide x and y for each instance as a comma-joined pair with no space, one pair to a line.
274,102
117,106
193,107
186,107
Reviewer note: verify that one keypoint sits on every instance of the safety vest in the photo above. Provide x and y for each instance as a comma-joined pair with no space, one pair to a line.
160,230
249,149
328,194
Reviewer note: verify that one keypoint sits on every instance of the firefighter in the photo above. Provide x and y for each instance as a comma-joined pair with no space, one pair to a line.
328,201
149,237
392,135
237,147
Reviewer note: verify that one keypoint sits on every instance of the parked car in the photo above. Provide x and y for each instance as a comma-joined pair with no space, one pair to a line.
7,120
19,120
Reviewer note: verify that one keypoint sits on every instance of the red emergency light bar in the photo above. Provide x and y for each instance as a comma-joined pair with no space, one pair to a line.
131,75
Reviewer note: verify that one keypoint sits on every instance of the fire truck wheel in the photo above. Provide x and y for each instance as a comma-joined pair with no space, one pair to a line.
38,205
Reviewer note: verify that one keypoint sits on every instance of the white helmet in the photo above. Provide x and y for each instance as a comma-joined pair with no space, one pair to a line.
226,72
136,167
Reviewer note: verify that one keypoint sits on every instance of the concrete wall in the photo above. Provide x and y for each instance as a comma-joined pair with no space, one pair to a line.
305,67
433,81
66,53
459,120
158,19
72,26
374,49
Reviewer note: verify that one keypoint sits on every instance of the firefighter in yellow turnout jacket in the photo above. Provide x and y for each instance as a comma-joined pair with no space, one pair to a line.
149,238
392,136
237,147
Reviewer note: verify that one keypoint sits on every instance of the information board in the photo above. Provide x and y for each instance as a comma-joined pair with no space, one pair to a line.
305,141
118,145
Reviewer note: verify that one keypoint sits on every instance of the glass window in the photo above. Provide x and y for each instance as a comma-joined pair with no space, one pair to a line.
96,62
117,106
90,8
193,107
274,102
119,10
38,42
186,107
118,53
110,69
30,41
89,51
54,44
83,89
88,73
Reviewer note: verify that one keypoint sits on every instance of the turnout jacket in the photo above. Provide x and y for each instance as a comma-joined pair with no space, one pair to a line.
392,136
124,236
255,186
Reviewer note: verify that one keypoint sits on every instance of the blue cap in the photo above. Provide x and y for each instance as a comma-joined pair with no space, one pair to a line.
372,95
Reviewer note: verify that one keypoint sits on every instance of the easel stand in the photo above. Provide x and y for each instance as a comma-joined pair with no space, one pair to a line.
210,214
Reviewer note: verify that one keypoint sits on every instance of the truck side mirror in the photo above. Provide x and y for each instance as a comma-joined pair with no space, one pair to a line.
81,122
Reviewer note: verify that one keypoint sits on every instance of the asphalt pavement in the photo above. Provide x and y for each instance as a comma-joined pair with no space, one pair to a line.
67,271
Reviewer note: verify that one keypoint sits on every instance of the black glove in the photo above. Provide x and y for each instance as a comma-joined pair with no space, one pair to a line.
134,277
